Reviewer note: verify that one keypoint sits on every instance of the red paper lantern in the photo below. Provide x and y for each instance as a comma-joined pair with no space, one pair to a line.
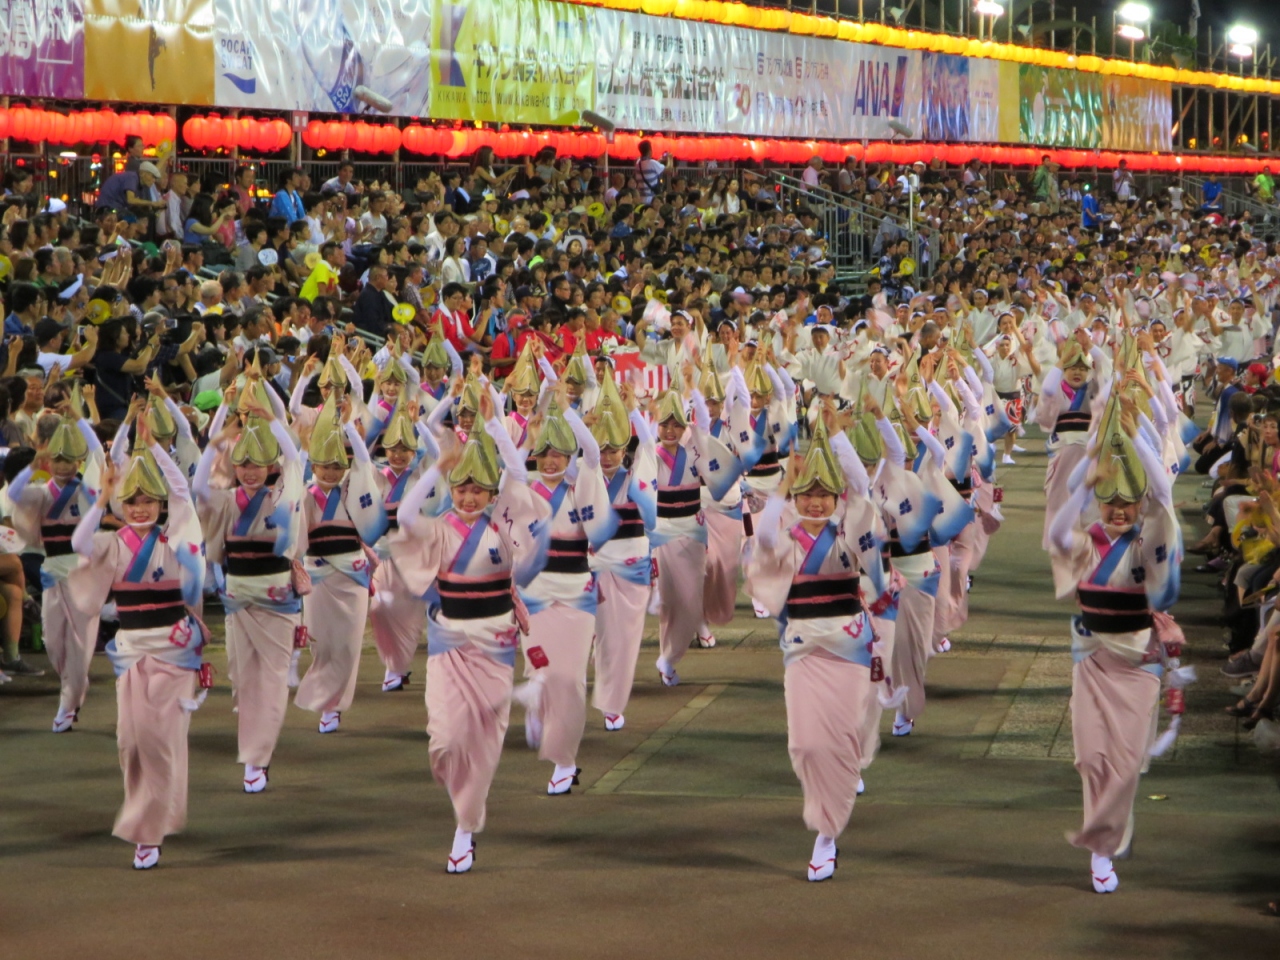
195,133
459,144
392,138
18,123
331,135
313,135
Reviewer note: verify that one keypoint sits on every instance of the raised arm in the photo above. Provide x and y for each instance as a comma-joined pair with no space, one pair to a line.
855,474
295,399
944,400
1062,526
641,426
82,537
894,451
428,441
184,425
173,474
581,433
90,436
935,448
287,449
512,460
358,448
456,367
200,482
411,506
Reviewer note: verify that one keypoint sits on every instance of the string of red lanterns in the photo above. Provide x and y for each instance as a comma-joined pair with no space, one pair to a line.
245,133
33,124
345,135
626,146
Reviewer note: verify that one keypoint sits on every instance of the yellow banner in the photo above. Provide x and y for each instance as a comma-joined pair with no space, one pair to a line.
514,61
149,51
1009,103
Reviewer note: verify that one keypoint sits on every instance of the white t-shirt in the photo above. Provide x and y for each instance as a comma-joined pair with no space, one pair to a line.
378,224
47,360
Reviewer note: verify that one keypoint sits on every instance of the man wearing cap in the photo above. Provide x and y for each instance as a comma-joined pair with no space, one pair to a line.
127,191
50,337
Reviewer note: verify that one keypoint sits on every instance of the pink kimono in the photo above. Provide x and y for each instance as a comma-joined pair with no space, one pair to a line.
256,539
563,599
399,616
469,571
622,568
338,524
1116,680
908,509
816,588
1066,414
156,579
724,544
45,514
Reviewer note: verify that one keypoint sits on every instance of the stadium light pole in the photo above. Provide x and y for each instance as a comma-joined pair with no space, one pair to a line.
987,11
1135,16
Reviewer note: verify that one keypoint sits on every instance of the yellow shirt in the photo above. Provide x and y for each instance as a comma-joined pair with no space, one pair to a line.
322,274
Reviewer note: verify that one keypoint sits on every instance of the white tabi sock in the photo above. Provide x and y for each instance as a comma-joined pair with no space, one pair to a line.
461,843
824,849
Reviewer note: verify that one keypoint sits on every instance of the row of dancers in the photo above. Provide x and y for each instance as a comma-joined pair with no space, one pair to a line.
528,523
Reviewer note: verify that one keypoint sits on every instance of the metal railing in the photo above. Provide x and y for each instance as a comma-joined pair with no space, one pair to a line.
856,233
1234,198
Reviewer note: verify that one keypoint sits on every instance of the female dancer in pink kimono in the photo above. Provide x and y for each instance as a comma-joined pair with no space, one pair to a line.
1124,570
398,615
1070,391
762,449
946,473
622,563
254,530
908,509
730,413
563,598
342,512
474,553
155,575
45,515
687,456
815,576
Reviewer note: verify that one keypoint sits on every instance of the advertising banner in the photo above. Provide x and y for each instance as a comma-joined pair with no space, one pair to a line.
42,48
330,56
149,51
1137,114
657,73
1061,108
1066,108
681,76
511,61
961,98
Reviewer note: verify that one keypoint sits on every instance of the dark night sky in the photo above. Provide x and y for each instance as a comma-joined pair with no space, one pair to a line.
1220,13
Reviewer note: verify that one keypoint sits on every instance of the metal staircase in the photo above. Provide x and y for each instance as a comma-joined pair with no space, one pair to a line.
1235,200
849,226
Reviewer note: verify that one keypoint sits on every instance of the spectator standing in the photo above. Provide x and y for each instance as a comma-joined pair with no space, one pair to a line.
287,203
